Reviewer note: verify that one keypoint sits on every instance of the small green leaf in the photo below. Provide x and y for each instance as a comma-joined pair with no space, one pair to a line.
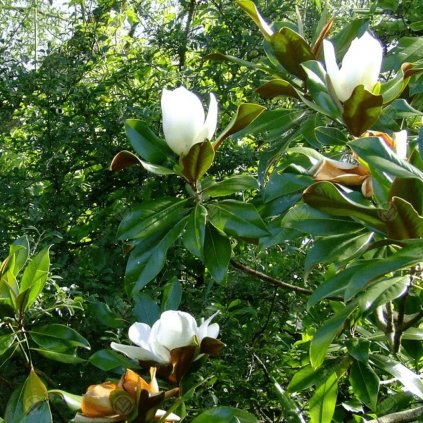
172,295
225,415
198,160
238,219
217,253
361,110
291,50
365,383
34,278
244,116
326,334
146,144
323,401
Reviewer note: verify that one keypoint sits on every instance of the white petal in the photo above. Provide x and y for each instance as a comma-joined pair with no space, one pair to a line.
206,329
79,418
332,69
400,143
170,418
209,127
183,118
139,333
176,329
137,353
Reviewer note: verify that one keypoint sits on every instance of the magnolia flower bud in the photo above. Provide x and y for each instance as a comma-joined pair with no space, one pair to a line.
183,119
360,65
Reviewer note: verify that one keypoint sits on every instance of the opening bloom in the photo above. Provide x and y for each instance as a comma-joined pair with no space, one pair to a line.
360,65
174,329
183,119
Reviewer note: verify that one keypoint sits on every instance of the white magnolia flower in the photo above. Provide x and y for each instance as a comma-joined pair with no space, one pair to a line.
400,143
183,119
360,65
174,329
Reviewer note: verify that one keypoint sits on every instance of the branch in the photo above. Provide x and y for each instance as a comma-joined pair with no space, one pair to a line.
269,279
400,417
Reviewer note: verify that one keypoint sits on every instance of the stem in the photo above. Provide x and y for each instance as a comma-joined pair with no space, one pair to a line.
271,280
400,417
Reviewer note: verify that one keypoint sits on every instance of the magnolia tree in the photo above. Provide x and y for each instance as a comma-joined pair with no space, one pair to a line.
342,175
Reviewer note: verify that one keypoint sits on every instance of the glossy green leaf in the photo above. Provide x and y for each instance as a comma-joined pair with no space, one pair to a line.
123,160
238,219
217,253
34,278
143,268
372,269
408,49
67,357
326,197
291,50
358,348
277,87
34,391
379,156
108,360
280,185
306,378
289,408
404,222
58,337
337,248
409,379
195,231
172,295
330,136
197,161
6,341
365,384
245,115
146,309
410,190
225,415
309,220
232,185
393,88
105,316
156,169
322,403
146,144
20,250
326,334
151,217
72,401
251,10
361,110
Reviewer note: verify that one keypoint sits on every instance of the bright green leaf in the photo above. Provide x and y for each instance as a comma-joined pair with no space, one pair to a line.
323,401
365,383
217,253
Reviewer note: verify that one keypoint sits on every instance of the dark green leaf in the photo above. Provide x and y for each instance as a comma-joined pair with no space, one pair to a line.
108,360
72,401
58,337
195,231
217,253
151,217
6,341
365,383
67,357
280,185
277,87
361,110
232,185
146,309
291,50
198,160
172,295
330,136
105,316
238,219
225,415
359,349
404,222
145,143
244,116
